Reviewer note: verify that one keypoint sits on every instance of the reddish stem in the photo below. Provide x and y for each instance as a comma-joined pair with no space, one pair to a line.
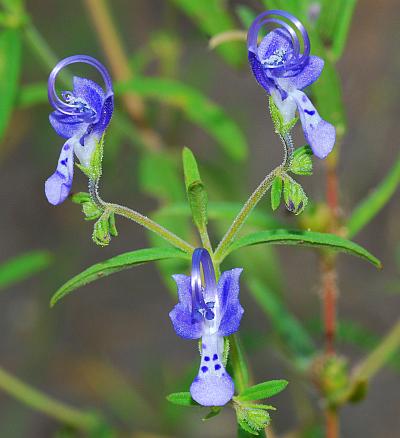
329,288
332,424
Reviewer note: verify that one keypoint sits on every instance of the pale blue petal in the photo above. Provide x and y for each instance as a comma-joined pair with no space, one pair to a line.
58,186
213,386
319,134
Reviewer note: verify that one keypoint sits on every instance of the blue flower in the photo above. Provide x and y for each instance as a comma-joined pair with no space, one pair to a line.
283,72
210,313
81,116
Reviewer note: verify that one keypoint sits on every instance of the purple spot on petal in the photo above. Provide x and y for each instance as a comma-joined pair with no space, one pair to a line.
207,358
217,367
304,99
204,369
215,357
310,112
66,147
204,346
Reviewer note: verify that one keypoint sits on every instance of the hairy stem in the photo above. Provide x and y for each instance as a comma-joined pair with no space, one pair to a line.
111,43
37,400
254,199
140,219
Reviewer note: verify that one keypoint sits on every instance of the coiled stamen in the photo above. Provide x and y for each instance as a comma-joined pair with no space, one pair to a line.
295,60
69,105
200,309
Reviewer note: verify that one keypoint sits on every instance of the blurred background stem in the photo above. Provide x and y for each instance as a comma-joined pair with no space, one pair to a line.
99,12
40,402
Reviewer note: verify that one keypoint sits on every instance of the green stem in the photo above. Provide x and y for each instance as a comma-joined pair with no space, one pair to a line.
133,215
39,46
43,403
238,362
205,239
253,200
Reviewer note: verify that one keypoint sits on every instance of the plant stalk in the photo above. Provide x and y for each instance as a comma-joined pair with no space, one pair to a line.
254,199
38,401
111,43
139,218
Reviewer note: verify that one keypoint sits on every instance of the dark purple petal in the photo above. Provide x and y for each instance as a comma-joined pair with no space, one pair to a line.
290,27
184,290
228,287
70,108
230,322
260,73
105,116
58,186
181,315
66,126
320,134
183,323
309,74
90,92
274,42
231,310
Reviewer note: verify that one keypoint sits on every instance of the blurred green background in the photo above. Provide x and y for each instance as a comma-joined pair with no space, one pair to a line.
110,345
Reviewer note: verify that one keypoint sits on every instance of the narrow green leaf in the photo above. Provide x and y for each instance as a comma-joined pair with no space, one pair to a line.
263,390
246,15
372,205
291,6
23,266
305,238
213,17
190,168
182,399
116,264
195,106
158,176
276,192
10,61
342,27
291,333
195,190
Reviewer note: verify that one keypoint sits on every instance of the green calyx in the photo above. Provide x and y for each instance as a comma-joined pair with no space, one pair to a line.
281,127
94,170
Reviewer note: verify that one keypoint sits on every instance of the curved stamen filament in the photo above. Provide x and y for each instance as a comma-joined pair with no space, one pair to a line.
297,60
69,106
202,259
